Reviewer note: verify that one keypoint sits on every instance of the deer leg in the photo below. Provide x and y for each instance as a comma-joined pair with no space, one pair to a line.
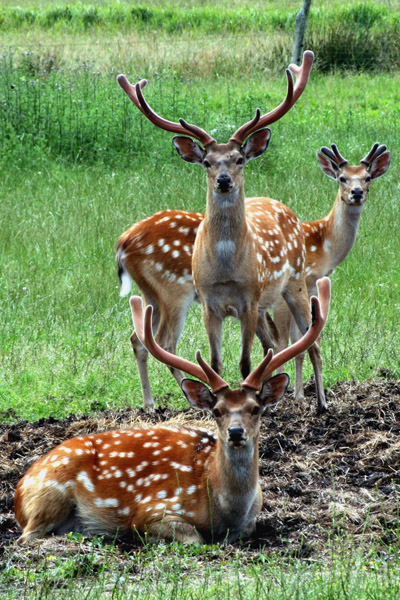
172,321
266,331
213,325
174,531
141,356
42,512
297,299
298,361
248,326
283,317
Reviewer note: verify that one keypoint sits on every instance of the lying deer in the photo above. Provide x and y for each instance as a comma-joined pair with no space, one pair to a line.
328,241
247,255
175,483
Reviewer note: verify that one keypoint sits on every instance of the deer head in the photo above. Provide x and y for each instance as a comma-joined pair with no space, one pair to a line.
354,181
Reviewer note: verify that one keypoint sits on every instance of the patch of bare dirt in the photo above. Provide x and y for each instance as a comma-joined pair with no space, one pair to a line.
320,474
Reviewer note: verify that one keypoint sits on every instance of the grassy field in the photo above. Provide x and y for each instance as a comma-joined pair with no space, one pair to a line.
172,572
78,165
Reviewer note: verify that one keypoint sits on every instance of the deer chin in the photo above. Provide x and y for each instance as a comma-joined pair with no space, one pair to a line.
226,199
357,203
238,444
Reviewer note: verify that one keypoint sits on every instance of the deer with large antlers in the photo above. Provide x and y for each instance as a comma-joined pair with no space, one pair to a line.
173,483
328,241
247,255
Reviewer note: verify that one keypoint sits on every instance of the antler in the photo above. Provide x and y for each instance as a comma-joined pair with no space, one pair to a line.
144,332
134,92
334,156
319,311
292,95
375,151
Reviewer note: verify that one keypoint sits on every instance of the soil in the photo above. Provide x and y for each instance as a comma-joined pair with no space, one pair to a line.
321,475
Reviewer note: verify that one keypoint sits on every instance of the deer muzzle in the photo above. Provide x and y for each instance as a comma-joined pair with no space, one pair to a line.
236,436
224,183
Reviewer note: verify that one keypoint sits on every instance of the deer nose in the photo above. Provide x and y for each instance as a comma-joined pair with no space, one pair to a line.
357,192
236,434
224,181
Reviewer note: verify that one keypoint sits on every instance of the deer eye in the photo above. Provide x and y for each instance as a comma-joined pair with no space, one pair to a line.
342,179
206,164
216,413
240,161
368,179
255,411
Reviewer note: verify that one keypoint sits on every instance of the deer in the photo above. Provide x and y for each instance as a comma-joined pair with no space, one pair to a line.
166,482
247,254
328,241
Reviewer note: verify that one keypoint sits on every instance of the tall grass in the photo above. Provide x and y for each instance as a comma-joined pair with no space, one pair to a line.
171,18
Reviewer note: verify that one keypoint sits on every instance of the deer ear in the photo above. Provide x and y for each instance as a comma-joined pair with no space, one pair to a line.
198,394
273,389
256,144
327,166
188,149
380,165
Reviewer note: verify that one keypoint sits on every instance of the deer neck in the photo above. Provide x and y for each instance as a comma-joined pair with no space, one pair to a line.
234,473
225,227
332,237
342,227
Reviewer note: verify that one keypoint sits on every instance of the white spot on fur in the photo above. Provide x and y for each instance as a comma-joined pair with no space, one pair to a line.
327,245
124,511
183,468
106,503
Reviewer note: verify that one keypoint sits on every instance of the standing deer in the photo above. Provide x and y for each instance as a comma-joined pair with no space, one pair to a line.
247,254
327,241
175,483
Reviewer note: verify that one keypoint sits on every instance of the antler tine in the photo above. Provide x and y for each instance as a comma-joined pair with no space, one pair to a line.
292,95
319,311
197,132
134,92
341,162
334,156
244,131
130,90
215,381
144,331
258,122
302,73
375,151
328,152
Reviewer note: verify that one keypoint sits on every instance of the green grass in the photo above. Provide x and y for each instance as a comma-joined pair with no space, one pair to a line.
201,572
206,18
